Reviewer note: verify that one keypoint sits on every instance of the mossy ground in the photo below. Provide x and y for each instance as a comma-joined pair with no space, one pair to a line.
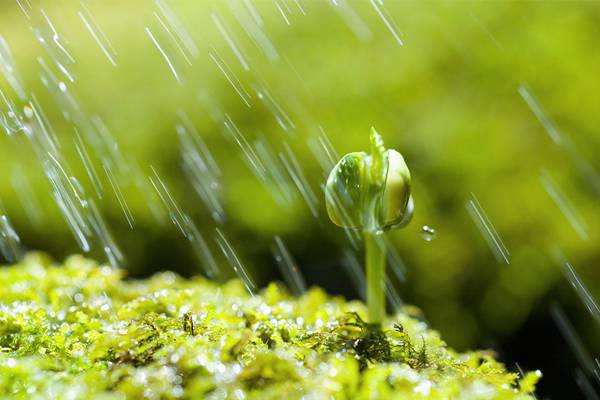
79,330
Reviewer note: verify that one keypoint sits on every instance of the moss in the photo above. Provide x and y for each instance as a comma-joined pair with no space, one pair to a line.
80,330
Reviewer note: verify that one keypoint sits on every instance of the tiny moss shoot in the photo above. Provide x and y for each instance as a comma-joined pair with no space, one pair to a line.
81,331
371,192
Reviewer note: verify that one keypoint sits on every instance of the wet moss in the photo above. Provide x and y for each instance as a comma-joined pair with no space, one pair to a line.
80,330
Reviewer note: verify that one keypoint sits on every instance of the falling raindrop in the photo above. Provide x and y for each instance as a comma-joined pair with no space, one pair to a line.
10,243
8,69
235,262
487,230
92,26
165,55
388,20
288,267
428,233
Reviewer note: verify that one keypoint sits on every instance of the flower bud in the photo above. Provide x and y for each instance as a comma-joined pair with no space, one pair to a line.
370,191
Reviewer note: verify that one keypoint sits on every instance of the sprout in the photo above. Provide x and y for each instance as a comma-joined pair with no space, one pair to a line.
371,192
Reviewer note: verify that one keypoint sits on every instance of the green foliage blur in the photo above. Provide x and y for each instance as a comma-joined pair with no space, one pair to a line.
448,99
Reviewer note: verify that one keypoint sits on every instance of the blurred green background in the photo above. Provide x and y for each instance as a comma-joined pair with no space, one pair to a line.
450,91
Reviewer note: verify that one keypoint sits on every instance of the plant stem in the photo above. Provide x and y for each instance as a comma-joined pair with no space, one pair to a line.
375,264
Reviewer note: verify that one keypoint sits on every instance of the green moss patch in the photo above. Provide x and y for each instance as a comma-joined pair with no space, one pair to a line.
79,330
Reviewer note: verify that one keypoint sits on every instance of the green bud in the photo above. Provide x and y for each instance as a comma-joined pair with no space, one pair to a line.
370,191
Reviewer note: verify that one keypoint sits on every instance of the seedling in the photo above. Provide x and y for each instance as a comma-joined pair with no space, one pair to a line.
371,193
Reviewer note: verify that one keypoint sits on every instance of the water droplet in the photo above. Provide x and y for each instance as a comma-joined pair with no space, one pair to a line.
428,233
28,111
62,86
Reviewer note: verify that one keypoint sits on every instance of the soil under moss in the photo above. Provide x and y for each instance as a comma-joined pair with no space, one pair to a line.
80,331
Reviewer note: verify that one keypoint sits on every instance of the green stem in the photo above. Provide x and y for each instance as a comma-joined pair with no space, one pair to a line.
375,264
